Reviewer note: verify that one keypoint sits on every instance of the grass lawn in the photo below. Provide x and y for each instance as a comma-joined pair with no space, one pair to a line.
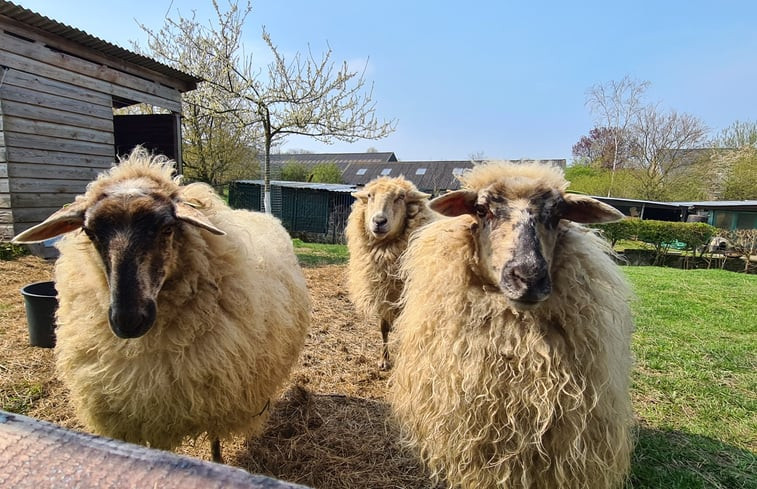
315,254
695,381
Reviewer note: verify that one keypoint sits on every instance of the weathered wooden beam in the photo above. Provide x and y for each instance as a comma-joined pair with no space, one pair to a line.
153,94
40,455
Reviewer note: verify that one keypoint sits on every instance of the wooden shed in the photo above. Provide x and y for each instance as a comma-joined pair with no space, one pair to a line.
59,87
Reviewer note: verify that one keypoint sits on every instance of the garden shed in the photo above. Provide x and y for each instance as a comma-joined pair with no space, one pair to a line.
313,211
726,214
59,87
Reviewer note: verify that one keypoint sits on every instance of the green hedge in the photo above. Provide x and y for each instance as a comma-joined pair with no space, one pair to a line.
615,231
9,251
663,235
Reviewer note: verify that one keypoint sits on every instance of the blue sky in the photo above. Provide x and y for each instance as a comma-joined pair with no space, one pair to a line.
501,79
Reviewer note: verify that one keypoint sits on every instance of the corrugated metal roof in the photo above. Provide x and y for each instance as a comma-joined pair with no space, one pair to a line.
720,203
436,176
332,187
89,41
744,205
341,159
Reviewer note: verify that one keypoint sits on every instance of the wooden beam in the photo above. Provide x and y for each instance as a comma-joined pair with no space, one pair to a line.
98,78
57,130
46,85
35,155
30,170
34,199
21,185
6,232
33,141
53,101
178,144
27,111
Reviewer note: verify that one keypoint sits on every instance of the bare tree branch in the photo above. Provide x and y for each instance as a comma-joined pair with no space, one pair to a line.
307,95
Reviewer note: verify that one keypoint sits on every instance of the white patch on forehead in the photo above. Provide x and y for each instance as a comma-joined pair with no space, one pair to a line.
128,188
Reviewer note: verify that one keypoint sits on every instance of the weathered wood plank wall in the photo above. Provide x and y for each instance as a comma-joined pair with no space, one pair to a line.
56,119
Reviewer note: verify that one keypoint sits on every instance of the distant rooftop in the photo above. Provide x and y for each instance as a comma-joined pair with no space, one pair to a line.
360,168
331,187
340,159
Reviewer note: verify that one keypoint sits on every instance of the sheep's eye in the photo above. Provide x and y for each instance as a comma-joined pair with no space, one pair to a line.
370,195
399,197
167,230
481,210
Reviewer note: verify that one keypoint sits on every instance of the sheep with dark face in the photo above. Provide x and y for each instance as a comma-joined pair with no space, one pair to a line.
514,338
178,316
385,214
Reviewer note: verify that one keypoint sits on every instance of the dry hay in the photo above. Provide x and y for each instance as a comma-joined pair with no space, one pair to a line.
330,428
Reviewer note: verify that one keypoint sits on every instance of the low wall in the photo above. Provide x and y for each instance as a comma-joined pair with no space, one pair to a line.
40,455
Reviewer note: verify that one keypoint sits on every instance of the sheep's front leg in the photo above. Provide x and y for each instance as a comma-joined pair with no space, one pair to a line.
215,450
385,363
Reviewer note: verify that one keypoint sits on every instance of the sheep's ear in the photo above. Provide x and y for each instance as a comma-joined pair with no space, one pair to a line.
417,195
455,203
187,213
68,218
362,195
583,209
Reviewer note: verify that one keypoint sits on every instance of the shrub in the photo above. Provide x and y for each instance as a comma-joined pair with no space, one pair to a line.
326,173
294,171
662,235
615,231
9,251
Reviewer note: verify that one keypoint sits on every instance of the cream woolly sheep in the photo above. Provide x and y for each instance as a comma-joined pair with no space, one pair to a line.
384,215
178,316
514,339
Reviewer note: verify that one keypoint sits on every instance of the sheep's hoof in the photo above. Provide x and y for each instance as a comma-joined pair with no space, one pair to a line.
385,364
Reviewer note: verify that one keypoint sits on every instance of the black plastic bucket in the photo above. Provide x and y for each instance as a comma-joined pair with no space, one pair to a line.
41,302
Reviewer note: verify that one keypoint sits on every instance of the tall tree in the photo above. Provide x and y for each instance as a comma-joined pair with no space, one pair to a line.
737,135
306,95
603,148
615,106
656,144
218,147
741,177
218,150
663,144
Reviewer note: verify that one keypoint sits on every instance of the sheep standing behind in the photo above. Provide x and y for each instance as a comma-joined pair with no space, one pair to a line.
178,316
514,338
385,213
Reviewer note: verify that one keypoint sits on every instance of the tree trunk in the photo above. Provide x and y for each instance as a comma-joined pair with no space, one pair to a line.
267,163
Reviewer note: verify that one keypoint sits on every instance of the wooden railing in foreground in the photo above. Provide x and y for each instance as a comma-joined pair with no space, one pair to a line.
36,454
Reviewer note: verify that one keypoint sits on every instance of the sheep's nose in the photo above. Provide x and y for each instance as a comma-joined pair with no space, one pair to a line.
128,323
526,282
379,220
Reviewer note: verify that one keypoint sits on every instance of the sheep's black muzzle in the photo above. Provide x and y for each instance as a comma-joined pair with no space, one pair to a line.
379,225
526,287
128,323
525,278
526,282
